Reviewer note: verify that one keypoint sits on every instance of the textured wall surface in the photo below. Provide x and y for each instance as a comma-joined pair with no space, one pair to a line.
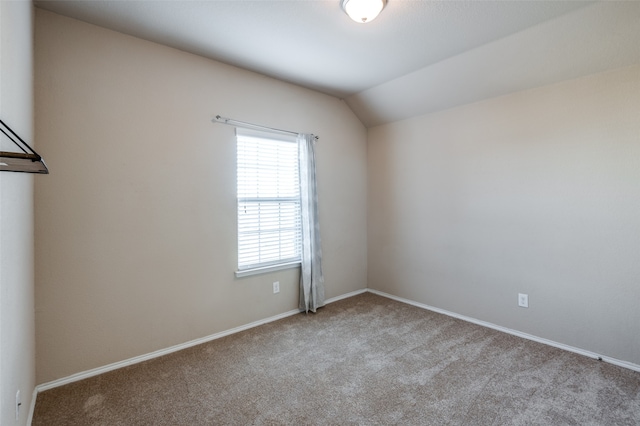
17,343
136,238
536,192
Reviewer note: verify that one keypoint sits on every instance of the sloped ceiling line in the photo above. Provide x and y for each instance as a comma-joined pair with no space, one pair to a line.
416,57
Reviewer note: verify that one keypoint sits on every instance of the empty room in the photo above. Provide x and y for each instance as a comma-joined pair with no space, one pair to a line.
320,212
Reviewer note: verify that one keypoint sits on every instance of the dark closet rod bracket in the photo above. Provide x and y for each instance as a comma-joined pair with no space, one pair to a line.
27,161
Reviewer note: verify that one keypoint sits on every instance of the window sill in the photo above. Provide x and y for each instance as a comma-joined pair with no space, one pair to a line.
273,268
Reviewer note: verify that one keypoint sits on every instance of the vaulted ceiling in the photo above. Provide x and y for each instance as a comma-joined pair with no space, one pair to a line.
418,56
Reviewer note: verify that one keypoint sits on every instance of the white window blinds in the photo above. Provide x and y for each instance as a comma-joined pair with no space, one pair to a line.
269,229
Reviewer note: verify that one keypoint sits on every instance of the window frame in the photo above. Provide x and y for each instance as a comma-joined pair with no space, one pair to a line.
262,203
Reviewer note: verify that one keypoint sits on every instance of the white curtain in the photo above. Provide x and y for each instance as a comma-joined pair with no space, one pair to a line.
311,279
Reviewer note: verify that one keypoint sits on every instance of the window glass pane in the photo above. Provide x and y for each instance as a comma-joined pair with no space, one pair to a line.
268,200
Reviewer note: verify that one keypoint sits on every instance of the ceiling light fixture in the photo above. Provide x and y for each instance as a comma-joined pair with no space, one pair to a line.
363,11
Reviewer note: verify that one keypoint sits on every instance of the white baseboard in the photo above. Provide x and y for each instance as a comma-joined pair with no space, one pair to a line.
620,363
346,296
32,406
135,360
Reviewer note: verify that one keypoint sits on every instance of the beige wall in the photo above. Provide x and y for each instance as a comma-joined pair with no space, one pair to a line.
17,343
136,239
536,192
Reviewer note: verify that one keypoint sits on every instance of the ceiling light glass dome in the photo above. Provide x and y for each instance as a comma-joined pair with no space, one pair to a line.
363,11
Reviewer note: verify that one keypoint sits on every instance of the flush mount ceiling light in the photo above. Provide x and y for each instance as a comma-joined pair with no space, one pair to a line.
363,11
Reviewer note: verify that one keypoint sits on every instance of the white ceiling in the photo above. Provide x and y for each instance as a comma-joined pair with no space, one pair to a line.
418,56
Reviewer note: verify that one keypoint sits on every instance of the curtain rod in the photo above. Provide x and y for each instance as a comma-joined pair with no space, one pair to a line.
232,122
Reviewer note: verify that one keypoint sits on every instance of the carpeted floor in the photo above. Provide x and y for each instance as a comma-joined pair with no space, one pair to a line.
366,360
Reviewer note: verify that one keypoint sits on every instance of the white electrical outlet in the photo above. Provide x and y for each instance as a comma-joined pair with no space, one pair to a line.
276,287
523,300
18,404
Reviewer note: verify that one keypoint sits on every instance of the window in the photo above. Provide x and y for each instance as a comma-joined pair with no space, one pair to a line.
269,228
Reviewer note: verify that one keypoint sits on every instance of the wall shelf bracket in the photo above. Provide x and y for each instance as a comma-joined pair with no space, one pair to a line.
27,161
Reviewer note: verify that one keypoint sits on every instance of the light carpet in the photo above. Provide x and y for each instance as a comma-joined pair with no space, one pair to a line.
366,360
